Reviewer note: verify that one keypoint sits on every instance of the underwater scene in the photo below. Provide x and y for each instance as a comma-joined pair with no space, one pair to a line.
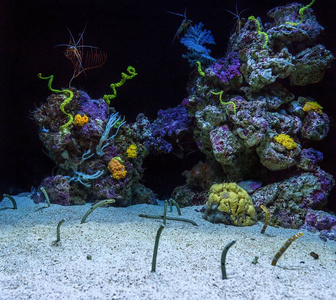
168,150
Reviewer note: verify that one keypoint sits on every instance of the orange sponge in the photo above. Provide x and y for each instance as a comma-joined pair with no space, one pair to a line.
117,169
80,120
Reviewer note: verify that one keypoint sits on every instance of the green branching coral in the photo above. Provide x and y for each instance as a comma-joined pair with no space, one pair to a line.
132,73
69,96
259,30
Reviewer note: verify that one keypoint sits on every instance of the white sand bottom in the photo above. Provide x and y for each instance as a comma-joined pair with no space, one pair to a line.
121,246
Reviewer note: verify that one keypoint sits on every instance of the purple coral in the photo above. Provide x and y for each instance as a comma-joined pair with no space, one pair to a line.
320,220
315,126
226,71
171,121
169,124
95,109
58,189
309,159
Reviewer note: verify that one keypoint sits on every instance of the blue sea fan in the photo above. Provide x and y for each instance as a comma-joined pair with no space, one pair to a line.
194,39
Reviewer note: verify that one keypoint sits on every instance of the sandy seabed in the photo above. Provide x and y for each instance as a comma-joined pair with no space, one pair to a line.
110,256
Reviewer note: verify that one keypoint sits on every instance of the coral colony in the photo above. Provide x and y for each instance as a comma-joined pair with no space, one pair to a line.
256,135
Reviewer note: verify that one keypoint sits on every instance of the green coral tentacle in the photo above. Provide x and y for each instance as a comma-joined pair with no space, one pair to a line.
50,80
224,103
199,68
132,73
64,128
69,96
301,10
259,30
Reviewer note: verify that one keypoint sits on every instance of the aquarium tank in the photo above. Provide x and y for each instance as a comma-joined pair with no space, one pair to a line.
223,109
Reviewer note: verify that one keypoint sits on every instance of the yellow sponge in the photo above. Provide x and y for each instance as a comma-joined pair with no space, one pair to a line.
286,141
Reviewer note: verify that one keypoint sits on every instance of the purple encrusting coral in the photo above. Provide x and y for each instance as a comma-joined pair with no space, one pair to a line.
323,222
95,109
58,188
290,200
309,159
171,121
226,71
160,136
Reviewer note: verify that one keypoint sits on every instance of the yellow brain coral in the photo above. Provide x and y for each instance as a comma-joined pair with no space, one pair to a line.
286,141
117,169
233,202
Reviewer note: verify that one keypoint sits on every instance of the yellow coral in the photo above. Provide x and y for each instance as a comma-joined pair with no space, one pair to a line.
286,141
233,200
117,169
81,120
132,151
312,106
